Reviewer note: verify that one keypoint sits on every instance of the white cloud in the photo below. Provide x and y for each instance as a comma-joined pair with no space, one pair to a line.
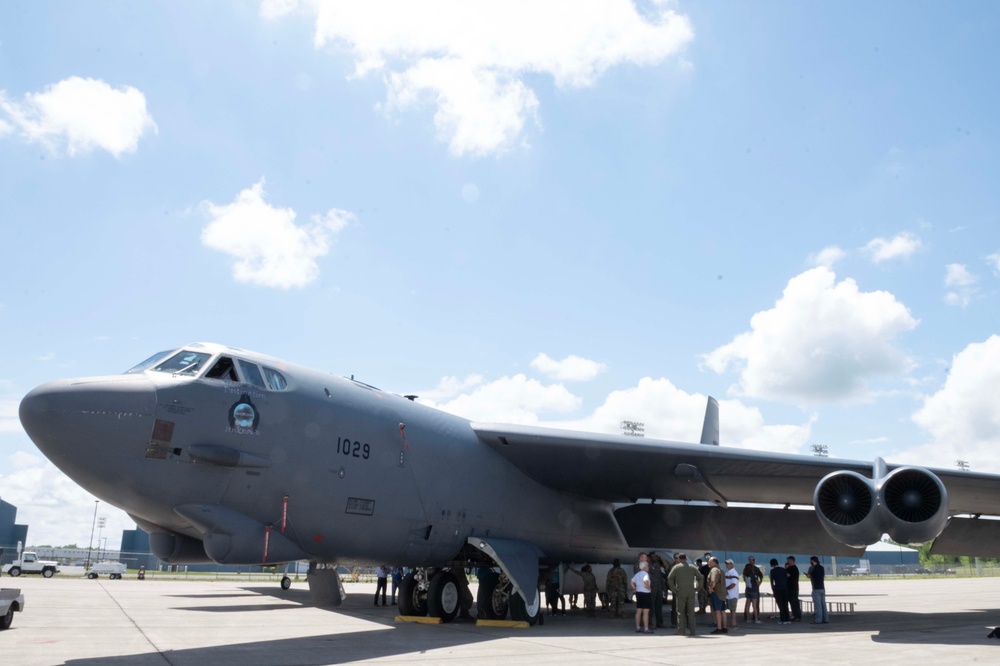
56,510
471,60
994,261
962,282
9,421
272,9
822,341
268,247
571,368
514,399
670,413
85,114
962,417
901,245
828,256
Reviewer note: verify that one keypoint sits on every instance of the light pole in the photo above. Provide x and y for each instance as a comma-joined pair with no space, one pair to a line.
101,522
90,549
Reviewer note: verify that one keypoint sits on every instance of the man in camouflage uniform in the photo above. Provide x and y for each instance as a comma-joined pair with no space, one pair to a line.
617,588
589,588
685,582
656,577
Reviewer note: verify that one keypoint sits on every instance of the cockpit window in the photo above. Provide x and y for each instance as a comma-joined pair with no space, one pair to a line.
223,369
149,362
183,363
252,373
275,379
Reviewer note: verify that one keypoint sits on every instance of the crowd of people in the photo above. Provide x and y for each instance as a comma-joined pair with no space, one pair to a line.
704,587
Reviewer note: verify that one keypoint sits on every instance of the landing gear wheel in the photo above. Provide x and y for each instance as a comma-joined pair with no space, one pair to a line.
442,596
286,582
492,600
7,619
47,573
521,612
412,600
15,571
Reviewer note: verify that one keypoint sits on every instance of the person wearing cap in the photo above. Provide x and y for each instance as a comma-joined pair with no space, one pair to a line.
732,591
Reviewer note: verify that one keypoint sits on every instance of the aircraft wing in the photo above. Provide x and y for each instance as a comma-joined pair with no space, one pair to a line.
624,469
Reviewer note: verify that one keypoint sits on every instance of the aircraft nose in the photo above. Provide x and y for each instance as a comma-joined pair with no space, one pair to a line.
75,422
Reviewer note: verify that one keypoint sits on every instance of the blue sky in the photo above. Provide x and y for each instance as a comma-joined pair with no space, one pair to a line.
552,213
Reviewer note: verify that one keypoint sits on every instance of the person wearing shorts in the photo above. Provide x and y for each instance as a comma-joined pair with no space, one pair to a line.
732,591
643,599
717,595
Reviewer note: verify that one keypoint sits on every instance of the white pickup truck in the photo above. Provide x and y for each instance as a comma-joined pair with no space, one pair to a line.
10,600
113,569
29,563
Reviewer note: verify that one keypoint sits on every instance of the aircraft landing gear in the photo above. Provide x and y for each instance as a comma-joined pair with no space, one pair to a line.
412,599
493,599
286,582
442,596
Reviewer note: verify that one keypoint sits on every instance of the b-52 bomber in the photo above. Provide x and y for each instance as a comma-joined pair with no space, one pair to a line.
225,455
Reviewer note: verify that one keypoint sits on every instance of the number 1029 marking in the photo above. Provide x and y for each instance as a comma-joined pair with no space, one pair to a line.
353,449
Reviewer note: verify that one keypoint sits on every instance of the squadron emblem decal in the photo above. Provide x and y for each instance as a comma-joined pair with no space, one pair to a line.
243,415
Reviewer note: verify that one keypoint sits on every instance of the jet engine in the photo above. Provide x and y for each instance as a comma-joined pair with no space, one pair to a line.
847,507
914,505
177,548
909,503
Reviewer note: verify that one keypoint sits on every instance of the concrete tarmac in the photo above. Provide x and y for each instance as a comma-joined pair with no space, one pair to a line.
192,622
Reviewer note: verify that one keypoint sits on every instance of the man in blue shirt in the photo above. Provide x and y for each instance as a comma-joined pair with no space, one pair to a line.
779,588
816,575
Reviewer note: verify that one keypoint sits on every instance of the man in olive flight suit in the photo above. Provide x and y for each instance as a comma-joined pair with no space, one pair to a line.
684,581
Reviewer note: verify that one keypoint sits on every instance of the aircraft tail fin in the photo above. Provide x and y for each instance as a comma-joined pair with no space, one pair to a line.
710,430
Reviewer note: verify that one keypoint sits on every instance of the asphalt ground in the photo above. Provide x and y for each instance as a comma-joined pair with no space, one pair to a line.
192,622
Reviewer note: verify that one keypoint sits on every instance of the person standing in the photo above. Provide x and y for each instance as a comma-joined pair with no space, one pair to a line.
779,588
793,588
717,595
616,585
684,581
817,574
589,588
752,578
656,583
642,589
703,569
673,597
732,591
397,579
381,577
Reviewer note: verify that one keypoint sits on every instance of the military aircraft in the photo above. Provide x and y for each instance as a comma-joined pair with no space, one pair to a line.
226,455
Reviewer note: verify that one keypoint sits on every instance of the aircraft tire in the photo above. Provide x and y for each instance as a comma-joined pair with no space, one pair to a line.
411,601
286,582
442,596
15,571
492,601
7,619
520,612
47,573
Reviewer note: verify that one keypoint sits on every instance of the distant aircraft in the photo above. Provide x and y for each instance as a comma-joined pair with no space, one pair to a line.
225,455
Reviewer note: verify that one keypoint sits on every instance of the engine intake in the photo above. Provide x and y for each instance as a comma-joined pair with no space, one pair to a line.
177,548
846,505
910,504
914,505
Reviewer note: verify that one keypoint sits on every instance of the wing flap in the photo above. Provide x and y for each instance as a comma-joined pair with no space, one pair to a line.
735,529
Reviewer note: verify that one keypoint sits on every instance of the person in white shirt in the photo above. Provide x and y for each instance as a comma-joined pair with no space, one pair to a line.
643,598
732,591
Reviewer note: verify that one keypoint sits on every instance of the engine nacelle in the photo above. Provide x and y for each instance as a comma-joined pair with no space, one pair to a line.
847,507
913,505
177,548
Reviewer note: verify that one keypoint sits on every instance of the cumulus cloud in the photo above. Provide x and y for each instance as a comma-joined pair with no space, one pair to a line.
472,60
994,261
900,246
272,9
82,114
56,510
9,421
961,284
571,368
962,418
828,256
268,248
514,399
822,341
